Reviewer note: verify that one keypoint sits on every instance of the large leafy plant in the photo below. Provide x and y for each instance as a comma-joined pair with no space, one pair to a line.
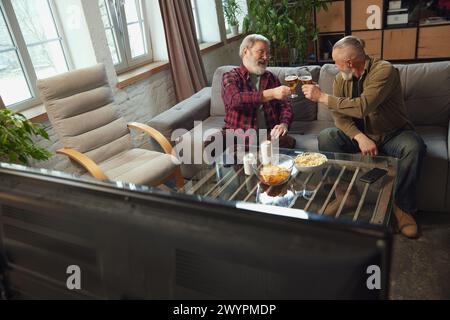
287,24
16,144
231,10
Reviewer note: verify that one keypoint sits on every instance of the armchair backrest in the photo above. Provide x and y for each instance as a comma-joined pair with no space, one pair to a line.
303,108
80,106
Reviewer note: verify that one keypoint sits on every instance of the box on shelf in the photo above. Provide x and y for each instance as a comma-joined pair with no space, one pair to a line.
397,16
395,5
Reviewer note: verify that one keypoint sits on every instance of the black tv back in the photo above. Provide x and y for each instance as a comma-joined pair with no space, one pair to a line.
141,243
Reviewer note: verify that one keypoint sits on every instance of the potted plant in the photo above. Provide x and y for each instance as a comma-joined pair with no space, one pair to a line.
16,144
231,10
288,24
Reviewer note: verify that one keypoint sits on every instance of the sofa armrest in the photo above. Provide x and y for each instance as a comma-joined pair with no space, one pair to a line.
183,114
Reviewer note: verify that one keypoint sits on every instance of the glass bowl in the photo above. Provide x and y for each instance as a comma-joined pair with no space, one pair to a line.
277,172
310,161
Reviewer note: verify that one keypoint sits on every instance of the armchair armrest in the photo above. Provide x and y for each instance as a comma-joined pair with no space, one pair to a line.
183,114
85,161
155,134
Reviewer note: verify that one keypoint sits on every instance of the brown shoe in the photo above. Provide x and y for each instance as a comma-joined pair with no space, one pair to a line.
351,203
406,223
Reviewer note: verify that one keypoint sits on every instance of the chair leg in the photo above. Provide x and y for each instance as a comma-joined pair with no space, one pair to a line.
179,180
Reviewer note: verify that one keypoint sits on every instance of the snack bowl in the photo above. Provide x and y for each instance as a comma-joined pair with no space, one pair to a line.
310,161
277,172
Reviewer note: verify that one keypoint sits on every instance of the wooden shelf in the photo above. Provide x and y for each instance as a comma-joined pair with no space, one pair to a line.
359,14
325,44
332,20
373,41
407,42
399,44
434,42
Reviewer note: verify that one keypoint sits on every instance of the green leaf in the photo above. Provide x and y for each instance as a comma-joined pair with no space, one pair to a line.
16,133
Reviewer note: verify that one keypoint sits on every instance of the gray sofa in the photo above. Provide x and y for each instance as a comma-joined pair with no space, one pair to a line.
426,89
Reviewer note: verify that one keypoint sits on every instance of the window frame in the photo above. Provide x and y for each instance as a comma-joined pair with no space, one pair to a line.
120,30
23,55
198,28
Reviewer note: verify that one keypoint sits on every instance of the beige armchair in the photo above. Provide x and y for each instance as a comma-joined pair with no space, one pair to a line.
80,106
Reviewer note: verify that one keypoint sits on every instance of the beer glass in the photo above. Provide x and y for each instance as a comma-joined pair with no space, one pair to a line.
291,81
305,77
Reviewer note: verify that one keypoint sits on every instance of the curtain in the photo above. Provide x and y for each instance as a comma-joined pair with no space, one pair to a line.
187,67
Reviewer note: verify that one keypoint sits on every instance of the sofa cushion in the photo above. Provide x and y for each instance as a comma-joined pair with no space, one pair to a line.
432,188
303,108
306,132
426,90
327,74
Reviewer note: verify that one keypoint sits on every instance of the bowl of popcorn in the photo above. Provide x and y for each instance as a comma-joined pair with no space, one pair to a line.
310,161
277,172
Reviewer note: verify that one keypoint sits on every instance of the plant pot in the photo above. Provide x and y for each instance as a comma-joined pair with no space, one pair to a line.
234,30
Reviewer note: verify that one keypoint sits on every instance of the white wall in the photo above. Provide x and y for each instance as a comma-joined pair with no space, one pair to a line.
158,37
226,55
76,33
97,33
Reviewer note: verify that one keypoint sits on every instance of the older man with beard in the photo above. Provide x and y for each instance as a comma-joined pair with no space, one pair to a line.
254,97
370,115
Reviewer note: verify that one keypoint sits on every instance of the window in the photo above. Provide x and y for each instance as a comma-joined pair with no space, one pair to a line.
197,21
240,14
127,32
31,48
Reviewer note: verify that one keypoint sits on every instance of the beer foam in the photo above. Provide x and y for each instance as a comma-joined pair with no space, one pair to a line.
290,78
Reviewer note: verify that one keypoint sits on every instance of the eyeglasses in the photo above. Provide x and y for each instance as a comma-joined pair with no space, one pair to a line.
262,52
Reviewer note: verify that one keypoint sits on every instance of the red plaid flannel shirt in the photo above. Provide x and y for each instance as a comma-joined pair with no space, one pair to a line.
241,101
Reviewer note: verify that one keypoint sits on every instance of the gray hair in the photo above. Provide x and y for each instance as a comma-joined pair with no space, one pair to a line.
250,40
355,43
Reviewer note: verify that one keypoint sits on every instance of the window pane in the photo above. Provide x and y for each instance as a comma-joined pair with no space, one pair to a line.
35,20
136,40
48,59
110,31
104,13
5,38
112,46
13,85
131,11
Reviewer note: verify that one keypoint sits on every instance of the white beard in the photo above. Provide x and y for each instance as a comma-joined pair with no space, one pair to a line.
259,70
347,75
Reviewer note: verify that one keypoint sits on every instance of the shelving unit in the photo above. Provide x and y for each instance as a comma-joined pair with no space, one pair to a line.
332,27
425,35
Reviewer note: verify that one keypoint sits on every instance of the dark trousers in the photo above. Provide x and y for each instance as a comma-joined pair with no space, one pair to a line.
405,145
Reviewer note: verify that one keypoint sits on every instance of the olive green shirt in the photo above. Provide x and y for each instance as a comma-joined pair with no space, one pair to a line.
380,103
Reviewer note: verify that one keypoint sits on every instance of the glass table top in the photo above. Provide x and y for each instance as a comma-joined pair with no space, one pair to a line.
337,181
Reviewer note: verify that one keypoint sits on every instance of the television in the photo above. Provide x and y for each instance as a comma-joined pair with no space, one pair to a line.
137,242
